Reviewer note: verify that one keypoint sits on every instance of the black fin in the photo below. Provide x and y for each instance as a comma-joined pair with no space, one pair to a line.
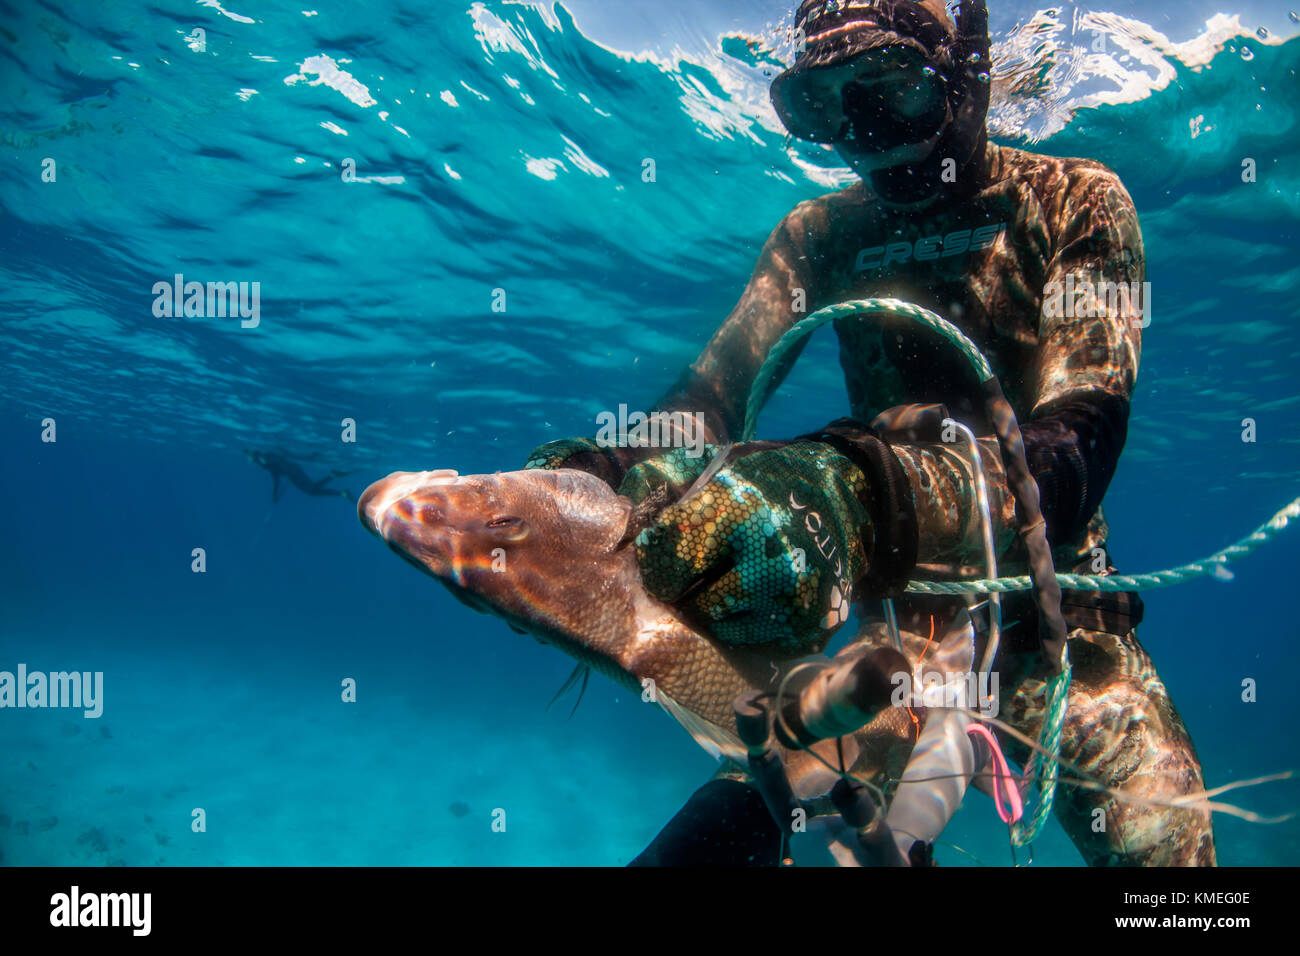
725,824
583,671
921,854
586,675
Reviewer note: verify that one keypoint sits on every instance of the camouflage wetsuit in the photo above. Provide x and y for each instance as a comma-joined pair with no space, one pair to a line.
1012,248
1069,374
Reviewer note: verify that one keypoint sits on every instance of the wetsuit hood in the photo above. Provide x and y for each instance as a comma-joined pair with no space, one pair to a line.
838,32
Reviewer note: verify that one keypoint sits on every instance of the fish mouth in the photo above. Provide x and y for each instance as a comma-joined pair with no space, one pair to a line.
409,511
376,506
455,528
416,513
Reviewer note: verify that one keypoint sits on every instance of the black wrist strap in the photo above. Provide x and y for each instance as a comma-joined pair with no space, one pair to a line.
888,500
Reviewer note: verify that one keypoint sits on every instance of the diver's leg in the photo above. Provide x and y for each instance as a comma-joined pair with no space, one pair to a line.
1123,730
342,492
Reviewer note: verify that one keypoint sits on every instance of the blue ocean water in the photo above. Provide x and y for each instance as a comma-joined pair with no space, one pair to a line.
501,146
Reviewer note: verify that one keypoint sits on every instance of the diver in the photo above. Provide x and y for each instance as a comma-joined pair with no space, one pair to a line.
980,234
280,465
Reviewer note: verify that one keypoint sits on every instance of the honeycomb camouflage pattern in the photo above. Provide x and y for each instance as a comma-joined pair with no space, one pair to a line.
674,471
766,551
555,453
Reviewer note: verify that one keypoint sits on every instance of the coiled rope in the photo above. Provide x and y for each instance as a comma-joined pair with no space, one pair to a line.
857,307
1043,764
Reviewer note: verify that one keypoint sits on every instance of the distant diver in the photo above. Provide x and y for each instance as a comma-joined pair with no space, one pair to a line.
281,465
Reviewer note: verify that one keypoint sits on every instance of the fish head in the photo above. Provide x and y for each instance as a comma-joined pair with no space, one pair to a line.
539,548
549,552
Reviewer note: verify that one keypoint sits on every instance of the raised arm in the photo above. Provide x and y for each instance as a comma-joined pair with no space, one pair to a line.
1086,365
716,386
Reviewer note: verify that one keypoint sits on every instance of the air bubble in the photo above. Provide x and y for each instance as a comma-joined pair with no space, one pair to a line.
1262,33
983,77
975,57
928,70
1247,54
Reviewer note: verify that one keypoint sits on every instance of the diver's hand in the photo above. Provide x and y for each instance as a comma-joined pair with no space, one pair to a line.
766,550
554,454
611,462
606,462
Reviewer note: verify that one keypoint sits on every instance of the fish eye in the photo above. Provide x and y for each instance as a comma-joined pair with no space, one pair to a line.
507,528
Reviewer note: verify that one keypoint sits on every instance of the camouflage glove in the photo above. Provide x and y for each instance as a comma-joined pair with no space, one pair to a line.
767,550
606,462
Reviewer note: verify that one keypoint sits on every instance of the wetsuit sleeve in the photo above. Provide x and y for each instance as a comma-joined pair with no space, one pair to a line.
1091,315
1095,306
1085,368
779,294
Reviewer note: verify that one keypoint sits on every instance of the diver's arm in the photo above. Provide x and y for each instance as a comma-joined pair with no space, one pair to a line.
779,294
1086,366
716,386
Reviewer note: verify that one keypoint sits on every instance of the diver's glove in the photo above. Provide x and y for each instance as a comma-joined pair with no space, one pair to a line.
774,545
610,463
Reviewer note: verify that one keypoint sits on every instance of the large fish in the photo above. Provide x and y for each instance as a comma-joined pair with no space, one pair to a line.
550,553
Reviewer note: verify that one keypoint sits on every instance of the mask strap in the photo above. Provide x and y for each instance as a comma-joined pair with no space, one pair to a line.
973,35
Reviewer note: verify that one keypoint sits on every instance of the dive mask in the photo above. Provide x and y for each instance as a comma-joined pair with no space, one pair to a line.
881,74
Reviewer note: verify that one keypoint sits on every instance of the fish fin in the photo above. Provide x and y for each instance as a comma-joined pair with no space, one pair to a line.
646,512
582,691
643,514
580,671
724,824
715,466
715,740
